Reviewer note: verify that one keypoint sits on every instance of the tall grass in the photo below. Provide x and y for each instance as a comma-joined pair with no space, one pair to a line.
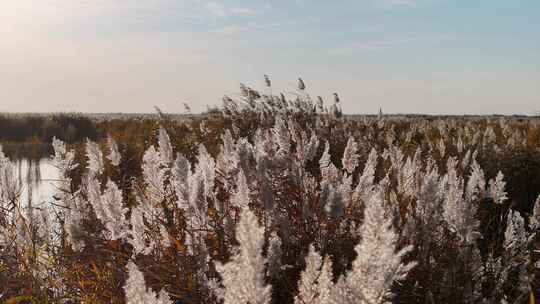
276,200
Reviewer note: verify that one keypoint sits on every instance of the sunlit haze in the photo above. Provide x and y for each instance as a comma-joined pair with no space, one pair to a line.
427,56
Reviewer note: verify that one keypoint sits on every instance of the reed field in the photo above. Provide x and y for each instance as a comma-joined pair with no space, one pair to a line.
273,199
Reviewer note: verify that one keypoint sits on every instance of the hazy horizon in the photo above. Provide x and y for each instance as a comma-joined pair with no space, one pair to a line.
404,56
531,115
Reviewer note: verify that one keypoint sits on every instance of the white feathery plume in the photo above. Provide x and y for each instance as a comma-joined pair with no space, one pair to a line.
378,265
114,216
489,136
114,156
193,190
365,181
330,174
516,258
180,174
476,138
154,176
336,98
228,160
63,160
73,223
267,81
466,159
306,148
331,190
137,292
442,148
241,195
320,104
165,147
325,282
460,214
301,84
350,156
311,148
345,190
138,232
95,158
497,189
429,206
197,206
476,184
315,281
407,182
207,168
325,161
10,186
281,136
535,218
396,157
460,146
515,235
243,276
107,206
94,196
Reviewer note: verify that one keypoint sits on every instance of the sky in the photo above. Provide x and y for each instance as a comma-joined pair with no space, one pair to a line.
404,56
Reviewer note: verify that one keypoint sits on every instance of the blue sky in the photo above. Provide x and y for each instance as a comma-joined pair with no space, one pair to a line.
405,56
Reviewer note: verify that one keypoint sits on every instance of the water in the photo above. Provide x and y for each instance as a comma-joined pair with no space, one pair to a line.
38,180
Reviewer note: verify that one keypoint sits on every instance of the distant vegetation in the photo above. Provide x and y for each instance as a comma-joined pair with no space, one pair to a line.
68,127
31,135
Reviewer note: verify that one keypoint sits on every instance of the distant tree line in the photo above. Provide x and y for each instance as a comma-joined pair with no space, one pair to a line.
68,127
30,136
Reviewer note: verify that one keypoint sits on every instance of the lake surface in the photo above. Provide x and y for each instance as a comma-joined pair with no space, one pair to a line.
38,180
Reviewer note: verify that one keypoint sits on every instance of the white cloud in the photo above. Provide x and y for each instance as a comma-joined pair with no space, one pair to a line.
404,4
243,11
383,44
407,3
370,46
41,16
216,9
219,9
230,30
